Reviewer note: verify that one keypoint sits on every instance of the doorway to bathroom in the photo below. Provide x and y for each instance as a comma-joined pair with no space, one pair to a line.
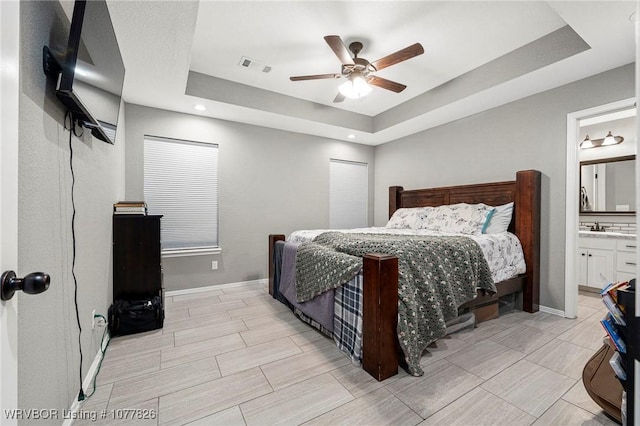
589,208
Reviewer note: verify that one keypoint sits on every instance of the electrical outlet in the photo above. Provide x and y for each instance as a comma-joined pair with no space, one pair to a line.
214,265
93,319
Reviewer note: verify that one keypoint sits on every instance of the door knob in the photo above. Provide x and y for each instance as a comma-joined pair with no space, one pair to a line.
33,283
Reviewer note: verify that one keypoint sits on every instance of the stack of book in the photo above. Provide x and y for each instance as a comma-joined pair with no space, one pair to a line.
615,325
130,207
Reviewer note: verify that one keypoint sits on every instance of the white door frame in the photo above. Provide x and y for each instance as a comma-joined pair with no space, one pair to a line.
573,197
9,95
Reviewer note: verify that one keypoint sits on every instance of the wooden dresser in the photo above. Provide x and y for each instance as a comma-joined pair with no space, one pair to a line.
137,260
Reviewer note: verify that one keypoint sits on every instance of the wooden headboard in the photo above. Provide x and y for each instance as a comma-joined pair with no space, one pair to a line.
524,191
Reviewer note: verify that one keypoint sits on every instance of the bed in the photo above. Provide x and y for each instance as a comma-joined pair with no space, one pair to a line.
380,343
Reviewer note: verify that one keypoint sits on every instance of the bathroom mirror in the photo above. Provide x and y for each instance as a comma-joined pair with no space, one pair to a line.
607,186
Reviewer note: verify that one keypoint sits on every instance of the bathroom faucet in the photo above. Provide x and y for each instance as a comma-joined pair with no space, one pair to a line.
597,227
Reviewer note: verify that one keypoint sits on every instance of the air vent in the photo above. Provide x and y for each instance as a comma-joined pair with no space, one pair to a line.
254,65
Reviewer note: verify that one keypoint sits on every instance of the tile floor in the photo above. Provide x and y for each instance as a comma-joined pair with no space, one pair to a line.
235,356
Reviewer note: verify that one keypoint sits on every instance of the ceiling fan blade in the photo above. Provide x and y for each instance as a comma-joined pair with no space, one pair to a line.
314,77
386,84
339,98
338,47
399,56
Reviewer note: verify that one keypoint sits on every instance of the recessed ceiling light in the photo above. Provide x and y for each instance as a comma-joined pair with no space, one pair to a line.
199,107
351,136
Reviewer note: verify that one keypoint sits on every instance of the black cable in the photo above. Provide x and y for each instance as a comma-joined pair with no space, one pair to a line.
72,126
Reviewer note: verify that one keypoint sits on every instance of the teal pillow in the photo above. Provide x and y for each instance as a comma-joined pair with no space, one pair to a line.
488,220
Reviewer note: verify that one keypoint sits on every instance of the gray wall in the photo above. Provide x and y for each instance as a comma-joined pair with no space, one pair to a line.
48,375
270,181
527,134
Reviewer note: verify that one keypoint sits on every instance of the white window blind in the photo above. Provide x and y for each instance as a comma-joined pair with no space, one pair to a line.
181,183
348,194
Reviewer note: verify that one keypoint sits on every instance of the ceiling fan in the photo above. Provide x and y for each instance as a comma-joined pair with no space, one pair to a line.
359,71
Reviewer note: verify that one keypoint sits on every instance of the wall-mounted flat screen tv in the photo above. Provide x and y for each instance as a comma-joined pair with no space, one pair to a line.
89,71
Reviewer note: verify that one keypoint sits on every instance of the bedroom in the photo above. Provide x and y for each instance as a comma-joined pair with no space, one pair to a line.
526,133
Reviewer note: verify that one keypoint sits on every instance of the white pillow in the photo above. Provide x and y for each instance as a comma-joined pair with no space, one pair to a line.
499,220
407,218
458,218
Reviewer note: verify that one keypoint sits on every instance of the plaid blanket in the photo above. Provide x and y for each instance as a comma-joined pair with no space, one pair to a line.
347,318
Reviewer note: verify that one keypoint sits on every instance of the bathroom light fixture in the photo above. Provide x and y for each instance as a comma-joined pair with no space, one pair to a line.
351,136
355,87
586,143
199,107
606,141
612,140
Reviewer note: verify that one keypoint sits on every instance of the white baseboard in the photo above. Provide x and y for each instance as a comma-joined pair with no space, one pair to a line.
263,281
551,311
74,410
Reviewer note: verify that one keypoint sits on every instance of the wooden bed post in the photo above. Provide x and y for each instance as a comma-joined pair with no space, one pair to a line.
380,316
394,199
272,244
527,228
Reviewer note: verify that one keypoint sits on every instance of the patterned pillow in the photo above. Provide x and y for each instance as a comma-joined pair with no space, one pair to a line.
459,218
407,218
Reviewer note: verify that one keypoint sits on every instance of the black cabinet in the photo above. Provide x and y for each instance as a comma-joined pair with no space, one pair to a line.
137,260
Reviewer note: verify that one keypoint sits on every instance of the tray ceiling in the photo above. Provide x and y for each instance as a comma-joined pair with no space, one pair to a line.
478,55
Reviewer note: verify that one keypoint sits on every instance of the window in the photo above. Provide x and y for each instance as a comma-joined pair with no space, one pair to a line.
348,194
181,183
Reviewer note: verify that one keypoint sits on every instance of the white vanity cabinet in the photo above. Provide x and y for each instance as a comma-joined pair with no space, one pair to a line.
625,260
604,258
597,260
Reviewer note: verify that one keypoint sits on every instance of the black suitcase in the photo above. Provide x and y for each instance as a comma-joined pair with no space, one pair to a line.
135,316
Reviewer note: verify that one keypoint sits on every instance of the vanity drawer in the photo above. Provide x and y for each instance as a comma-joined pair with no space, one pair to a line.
598,243
627,245
626,261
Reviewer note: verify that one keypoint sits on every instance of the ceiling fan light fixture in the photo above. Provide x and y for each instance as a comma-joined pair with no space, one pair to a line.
358,70
355,87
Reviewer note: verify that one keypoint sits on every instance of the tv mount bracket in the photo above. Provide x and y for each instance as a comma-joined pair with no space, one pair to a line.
50,62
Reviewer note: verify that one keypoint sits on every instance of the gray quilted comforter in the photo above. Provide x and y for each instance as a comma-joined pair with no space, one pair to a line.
436,275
